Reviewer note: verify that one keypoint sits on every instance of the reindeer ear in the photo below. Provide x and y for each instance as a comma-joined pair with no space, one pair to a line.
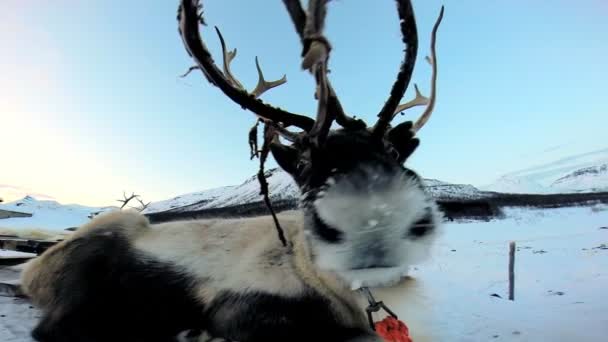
402,139
286,157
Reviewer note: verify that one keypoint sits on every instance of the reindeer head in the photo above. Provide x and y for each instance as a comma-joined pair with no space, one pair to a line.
367,216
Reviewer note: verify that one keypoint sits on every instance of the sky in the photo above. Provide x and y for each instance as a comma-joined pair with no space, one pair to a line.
91,102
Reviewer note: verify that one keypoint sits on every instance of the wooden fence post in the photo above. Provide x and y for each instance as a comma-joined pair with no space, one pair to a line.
512,270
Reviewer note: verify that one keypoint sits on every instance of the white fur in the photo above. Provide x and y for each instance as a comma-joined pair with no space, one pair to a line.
376,217
226,254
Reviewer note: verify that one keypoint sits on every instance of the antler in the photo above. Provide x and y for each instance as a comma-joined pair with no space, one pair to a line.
189,20
144,206
433,61
409,31
227,57
315,57
299,19
262,85
420,100
126,199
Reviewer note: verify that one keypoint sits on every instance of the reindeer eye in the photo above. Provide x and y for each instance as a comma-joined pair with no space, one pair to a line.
325,232
421,227
301,165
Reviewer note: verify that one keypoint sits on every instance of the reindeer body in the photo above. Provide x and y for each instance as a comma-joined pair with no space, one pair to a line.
120,279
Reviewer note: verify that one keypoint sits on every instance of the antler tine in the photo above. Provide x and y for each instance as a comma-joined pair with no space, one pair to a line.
282,131
419,100
227,57
264,85
315,57
409,32
433,61
189,20
299,18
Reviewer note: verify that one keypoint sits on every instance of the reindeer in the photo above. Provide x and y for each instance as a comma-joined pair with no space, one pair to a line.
363,220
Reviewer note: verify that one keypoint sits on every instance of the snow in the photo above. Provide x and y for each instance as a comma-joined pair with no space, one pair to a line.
564,175
442,190
7,254
205,196
46,214
280,185
17,316
594,178
561,273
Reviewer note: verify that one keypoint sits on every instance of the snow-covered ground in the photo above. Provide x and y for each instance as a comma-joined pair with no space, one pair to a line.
561,276
46,215
5,253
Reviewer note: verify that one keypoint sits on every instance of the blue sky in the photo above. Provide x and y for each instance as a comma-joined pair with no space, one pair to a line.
91,102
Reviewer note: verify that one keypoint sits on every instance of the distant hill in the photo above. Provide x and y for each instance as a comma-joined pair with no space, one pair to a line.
579,173
282,189
47,214
10,192
457,201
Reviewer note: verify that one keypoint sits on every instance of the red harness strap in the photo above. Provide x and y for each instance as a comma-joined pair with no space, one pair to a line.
393,330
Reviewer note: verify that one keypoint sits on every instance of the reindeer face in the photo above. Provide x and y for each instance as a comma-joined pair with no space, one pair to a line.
368,218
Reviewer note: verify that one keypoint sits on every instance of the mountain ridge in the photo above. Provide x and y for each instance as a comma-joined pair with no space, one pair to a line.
281,188
585,172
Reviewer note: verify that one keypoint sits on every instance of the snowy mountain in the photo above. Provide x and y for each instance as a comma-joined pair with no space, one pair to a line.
10,193
586,172
282,188
50,215
443,191
280,185
593,178
47,214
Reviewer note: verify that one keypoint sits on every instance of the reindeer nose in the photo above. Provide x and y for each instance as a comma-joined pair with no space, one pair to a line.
373,258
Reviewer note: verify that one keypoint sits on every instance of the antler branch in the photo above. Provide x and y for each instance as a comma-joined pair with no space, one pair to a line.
315,57
299,18
189,20
283,132
419,100
409,31
143,205
126,199
433,61
227,57
262,85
